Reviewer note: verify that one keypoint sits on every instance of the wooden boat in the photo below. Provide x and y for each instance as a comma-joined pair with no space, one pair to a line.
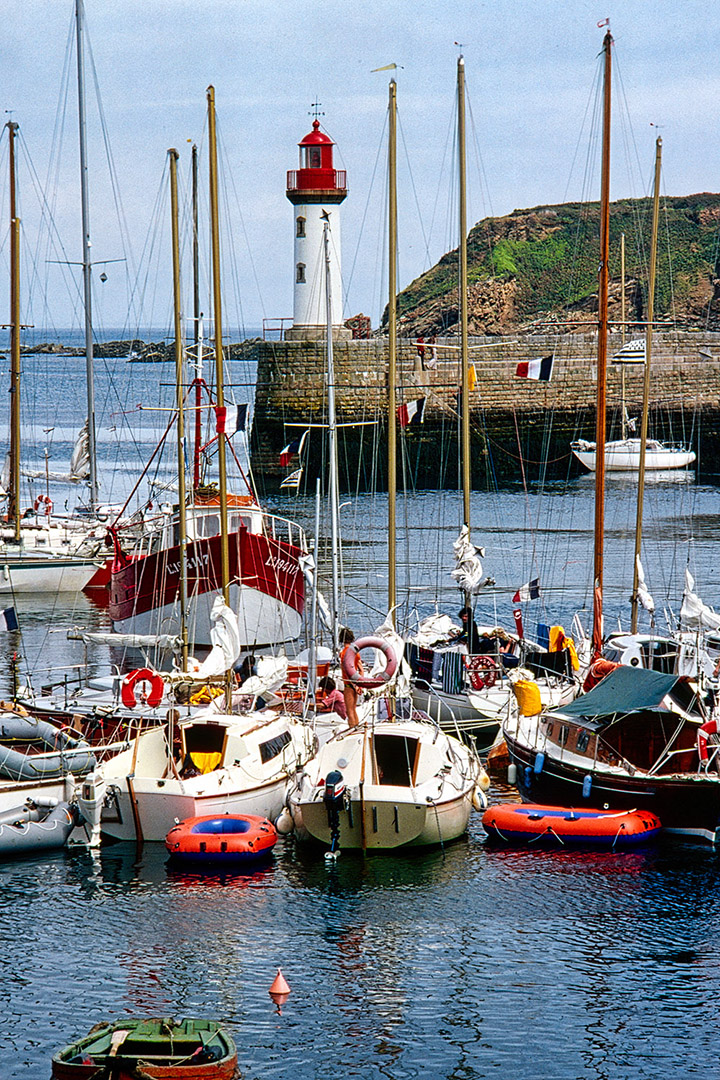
126,1049
556,826
221,839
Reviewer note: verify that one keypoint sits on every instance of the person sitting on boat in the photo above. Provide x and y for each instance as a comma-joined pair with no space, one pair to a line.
331,699
350,691
470,633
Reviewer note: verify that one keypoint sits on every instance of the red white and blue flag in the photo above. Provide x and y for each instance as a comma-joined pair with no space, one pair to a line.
230,418
412,412
540,370
530,591
294,447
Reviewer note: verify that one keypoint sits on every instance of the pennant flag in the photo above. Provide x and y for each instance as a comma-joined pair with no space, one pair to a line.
292,482
412,412
531,591
230,418
517,615
632,352
294,447
540,370
8,619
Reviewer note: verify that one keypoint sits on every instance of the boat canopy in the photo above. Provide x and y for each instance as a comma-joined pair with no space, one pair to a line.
624,690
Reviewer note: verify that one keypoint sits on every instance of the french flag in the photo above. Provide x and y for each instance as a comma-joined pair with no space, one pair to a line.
531,591
540,370
294,447
230,418
411,412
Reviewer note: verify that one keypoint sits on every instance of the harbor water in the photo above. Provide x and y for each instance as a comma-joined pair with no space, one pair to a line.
457,963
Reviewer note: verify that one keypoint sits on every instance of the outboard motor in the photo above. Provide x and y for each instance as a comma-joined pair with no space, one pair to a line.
334,797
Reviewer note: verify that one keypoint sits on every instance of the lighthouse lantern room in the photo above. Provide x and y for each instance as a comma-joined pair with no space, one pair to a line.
316,190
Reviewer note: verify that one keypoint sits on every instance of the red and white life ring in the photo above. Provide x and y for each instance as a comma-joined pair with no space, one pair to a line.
708,729
46,501
368,682
483,671
142,685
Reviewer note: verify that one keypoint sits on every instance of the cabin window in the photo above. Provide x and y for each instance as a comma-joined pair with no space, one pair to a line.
549,730
207,525
300,272
583,741
563,734
239,521
300,226
273,747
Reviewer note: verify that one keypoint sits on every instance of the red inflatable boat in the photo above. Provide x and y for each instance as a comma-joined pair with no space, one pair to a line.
556,826
221,838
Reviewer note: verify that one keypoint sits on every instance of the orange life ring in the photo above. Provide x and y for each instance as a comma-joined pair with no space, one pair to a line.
708,729
151,688
483,671
46,501
368,682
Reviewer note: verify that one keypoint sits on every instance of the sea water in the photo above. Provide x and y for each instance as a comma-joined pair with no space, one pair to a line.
456,963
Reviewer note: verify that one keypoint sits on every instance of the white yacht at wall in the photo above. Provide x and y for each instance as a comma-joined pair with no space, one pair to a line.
623,455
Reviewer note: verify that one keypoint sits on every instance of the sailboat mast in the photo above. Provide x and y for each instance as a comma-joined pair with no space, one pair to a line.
217,309
332,441
196,322
462,286
392,348
623,414
600,420
14,493
646,386
179,400
86,263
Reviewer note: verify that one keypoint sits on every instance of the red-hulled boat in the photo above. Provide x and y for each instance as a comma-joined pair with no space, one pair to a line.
267,588
226,838
557,826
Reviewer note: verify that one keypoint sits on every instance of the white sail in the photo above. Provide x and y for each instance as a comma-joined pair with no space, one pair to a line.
468,572
80,460
128,641
694,613
643,594
225,638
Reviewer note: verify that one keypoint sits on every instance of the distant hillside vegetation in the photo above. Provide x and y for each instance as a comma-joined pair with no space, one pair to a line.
540,266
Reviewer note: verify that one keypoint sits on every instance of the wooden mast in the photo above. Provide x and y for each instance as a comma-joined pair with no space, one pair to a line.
217,309
14,493
392,349
180,404
623,415
462,304
646,386
600,420
197,315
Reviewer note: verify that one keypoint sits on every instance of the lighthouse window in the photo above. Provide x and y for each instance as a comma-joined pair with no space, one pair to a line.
300,272
315,158
300,226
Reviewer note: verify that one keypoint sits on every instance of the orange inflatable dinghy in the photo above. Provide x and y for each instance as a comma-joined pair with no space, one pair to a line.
222,838
554,826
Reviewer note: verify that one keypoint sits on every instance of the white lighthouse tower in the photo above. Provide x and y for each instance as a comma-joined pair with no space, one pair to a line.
316,190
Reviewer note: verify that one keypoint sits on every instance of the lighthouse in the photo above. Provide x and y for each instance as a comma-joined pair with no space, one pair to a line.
316,189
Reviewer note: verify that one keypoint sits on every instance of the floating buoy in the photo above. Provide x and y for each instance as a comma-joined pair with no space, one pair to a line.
285,823
479,799
280,990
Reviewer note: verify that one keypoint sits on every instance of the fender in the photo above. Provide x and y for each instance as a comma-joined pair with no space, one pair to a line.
369,682
151,688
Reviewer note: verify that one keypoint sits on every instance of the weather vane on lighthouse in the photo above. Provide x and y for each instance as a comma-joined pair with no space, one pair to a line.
315,110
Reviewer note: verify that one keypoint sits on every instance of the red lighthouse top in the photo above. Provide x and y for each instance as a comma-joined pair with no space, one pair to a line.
316,175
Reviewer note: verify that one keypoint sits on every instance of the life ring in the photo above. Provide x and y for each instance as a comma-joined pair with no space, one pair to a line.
368,682
46,501
151,688
708,729
483,671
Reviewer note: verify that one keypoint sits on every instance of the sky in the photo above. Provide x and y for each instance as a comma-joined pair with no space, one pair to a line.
531,70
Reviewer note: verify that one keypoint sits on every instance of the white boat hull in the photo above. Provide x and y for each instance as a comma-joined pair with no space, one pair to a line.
624,456
38,574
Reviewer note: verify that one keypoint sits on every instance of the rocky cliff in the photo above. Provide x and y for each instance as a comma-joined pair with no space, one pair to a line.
536,270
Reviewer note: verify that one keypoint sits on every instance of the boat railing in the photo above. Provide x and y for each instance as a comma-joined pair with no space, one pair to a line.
284,531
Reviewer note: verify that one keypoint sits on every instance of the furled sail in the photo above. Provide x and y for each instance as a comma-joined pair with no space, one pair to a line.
643,594
468,571
694,613
79,463
225,638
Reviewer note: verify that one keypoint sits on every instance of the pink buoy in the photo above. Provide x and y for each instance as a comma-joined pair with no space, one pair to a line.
279,991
